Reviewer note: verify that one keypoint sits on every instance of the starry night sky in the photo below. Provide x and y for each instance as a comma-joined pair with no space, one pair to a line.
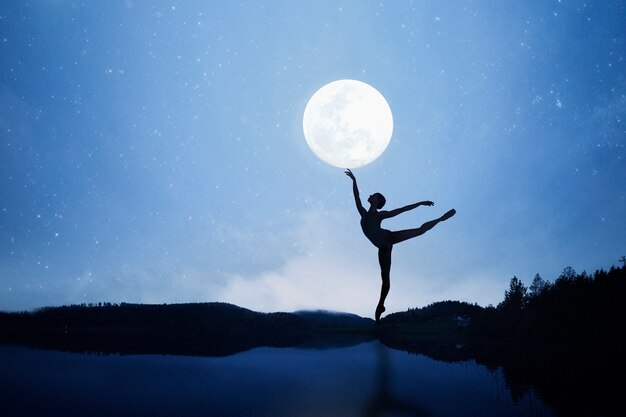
153,151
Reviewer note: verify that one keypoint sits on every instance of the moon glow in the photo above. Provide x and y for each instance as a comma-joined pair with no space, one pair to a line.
347,123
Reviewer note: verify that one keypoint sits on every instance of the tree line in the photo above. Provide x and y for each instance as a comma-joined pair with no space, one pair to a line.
575,308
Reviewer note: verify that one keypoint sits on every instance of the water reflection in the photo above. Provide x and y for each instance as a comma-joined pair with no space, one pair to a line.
383,401
363,380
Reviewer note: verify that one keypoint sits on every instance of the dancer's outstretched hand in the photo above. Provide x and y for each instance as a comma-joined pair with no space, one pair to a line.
427,203
350,174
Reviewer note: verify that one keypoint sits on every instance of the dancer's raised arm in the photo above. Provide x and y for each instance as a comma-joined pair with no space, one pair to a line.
391,213
355,190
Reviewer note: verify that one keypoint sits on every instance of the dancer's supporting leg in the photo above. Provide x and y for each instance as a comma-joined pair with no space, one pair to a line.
384,259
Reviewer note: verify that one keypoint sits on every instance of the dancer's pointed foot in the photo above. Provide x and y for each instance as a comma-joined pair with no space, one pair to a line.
448,215
379,310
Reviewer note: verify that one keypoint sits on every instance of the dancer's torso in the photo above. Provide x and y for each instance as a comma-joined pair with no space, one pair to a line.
370,224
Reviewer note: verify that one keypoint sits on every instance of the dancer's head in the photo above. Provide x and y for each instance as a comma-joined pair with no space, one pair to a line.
377,200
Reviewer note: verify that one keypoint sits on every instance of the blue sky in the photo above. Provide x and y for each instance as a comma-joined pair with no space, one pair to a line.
154,152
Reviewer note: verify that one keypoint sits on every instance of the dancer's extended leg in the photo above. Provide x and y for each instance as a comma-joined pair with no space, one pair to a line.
384,259
402,235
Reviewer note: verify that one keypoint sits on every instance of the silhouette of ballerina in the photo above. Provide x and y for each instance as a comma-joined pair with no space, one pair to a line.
384,239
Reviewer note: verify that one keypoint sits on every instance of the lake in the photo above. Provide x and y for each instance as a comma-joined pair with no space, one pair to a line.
368,379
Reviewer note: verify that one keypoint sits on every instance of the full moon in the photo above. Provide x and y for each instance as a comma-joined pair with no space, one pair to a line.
347,123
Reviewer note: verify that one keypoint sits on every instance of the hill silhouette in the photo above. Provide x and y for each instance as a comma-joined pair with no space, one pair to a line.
576,311
212,329
562,339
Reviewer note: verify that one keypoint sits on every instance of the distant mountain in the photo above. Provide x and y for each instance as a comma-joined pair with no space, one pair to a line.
438,311
321,319
195,329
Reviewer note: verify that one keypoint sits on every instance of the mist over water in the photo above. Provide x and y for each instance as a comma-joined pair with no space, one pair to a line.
368,379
